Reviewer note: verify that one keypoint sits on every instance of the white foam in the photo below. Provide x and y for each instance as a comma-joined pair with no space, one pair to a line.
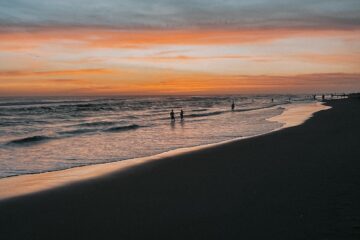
296,114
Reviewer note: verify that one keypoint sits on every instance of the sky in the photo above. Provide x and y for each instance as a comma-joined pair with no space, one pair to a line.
164,47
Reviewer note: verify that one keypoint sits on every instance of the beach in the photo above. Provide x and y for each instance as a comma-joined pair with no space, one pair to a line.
300,182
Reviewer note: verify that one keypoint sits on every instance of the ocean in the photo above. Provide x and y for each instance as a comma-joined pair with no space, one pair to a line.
41,134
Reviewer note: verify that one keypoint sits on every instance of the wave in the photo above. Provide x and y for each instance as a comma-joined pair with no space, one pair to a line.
130,117
29,103
61,108
92,130
123,128
206,114
96,124
202,112
93,107
8,102
40,138
78,131
24,122
261,107
29,140
199,110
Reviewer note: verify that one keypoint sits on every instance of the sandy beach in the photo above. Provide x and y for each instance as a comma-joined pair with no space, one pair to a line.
301,182
15,186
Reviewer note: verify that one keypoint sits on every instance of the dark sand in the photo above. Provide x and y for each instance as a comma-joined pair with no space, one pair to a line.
297,183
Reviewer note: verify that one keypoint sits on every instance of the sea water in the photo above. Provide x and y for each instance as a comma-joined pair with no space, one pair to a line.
47,134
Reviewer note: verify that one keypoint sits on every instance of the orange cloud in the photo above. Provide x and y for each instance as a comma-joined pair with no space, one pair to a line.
177,58
353,58
106,38
5,74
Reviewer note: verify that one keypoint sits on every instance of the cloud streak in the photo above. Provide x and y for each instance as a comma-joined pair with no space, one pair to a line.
20,73
106,38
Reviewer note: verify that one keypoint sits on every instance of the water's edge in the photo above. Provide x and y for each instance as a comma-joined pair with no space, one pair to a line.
15,186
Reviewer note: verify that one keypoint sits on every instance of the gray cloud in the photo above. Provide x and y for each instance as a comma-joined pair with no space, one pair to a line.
163,14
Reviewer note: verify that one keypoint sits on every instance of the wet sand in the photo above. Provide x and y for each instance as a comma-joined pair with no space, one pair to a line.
298,183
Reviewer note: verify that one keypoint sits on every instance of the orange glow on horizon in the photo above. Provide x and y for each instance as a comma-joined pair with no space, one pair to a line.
110,62
167,82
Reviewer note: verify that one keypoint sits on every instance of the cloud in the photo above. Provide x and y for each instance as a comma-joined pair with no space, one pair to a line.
173,14
20,73
108,38
177,58
350,58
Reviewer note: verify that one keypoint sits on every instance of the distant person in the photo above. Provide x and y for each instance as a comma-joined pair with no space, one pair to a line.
182,115
314,97
172,115
323,97
272,100
233,106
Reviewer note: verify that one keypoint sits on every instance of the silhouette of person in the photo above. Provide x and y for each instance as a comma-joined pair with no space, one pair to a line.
233,106
272,100
182,115
323,97
314,96
172,115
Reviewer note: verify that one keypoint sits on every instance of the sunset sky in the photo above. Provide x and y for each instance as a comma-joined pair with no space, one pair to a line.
143,47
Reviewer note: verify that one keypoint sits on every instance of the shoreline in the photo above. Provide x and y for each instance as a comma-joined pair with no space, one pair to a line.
298,183
20,185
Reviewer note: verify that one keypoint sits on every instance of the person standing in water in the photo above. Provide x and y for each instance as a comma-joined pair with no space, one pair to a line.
182,115
233,106
172,115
